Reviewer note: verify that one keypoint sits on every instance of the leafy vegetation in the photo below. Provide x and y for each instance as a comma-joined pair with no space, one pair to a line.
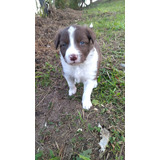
43,78
108,21
85,155
38,155
108,98
53,157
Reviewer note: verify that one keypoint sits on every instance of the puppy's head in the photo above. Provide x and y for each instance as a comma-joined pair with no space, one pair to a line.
75,43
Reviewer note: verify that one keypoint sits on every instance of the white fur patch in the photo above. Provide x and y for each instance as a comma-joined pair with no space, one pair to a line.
76,71
72,49
84,72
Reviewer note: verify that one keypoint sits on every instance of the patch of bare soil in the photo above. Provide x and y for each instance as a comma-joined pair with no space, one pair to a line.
57,122
58,116
45,30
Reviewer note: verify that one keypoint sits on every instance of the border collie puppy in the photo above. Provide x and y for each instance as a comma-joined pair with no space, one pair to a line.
80,57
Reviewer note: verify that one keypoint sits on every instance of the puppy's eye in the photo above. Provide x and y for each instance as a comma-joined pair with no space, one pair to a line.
82,43
63,45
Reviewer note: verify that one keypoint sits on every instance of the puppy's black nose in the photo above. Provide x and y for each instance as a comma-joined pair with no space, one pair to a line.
73,57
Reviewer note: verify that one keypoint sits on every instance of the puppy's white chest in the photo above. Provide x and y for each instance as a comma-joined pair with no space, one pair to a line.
83,71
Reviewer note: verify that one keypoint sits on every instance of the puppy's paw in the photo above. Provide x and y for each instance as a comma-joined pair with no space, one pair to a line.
87,105
95,84
72,91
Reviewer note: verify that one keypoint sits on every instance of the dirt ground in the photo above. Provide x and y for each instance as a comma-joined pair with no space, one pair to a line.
58,116
45,30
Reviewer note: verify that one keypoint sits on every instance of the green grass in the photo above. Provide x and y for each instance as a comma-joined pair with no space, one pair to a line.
85,155
108,19
43,78
52,156
91,129
38,155
108,22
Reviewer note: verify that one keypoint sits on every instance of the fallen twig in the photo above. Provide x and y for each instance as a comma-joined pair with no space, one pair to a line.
121,152
108,75
43,98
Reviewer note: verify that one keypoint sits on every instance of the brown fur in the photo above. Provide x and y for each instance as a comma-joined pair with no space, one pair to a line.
84,34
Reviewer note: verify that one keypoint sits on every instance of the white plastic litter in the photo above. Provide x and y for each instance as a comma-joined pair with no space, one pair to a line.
122,65
45,124
102,105
105,138
80,129
95,109
91,25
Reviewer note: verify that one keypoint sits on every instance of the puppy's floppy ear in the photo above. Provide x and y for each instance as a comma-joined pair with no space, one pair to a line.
57,39
90,34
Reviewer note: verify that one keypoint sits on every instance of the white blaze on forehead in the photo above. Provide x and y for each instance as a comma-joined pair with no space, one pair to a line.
71,34
72,49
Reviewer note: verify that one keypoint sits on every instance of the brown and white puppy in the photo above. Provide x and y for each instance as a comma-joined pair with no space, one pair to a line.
80,58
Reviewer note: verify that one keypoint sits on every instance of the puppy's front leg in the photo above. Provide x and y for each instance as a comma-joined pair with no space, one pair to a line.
88,87
71,84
